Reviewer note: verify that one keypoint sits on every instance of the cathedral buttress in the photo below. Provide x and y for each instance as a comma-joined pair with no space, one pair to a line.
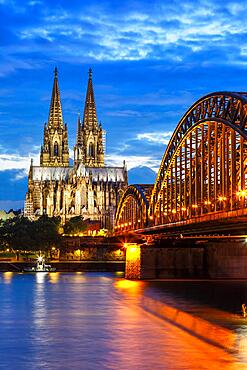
55,150
89,148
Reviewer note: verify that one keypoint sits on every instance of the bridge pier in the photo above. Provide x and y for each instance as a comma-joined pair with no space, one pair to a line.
194,259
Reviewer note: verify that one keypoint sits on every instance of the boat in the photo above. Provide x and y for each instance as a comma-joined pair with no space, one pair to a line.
40,266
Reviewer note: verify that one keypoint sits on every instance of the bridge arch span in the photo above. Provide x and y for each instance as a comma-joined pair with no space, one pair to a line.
132,210
204,167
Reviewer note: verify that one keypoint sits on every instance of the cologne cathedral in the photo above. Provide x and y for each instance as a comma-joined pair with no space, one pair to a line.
89,188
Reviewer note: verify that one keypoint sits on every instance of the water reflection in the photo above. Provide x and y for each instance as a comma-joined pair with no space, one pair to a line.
54,277
97,321
192,323
40,277
7,277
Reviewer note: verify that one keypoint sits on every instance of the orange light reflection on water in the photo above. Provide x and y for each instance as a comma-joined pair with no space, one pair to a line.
7,277
195,342
54,277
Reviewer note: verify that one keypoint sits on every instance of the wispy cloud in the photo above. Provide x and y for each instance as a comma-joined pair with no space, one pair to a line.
154,31
18,162
155,137
133,161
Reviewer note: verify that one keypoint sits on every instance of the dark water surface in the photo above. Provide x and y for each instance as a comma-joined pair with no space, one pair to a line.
97,321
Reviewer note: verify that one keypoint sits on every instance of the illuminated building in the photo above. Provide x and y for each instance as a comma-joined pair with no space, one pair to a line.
89,188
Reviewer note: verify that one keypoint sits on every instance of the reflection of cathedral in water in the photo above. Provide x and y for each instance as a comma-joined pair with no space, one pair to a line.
89,188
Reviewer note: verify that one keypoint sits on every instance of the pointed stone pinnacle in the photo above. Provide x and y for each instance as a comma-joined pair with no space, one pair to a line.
55,72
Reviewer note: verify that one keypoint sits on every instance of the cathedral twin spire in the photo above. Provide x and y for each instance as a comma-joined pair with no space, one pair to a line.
55,114
55,150
89,149
90,117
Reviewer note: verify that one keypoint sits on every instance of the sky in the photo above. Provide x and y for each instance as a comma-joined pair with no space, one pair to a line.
150,61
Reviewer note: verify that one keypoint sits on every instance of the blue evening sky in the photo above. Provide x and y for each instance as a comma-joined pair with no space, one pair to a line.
151,60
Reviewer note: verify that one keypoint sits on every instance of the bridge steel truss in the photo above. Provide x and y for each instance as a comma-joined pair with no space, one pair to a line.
132,211
204,168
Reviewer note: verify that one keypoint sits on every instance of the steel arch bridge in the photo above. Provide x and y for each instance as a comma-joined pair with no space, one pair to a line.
132,211
203,173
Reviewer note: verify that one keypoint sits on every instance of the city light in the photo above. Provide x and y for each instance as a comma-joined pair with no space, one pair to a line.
222,198
242,193
132,256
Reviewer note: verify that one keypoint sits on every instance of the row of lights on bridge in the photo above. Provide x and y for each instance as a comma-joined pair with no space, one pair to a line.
241,193
126,224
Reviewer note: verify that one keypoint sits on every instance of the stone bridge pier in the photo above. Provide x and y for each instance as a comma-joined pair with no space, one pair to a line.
221,258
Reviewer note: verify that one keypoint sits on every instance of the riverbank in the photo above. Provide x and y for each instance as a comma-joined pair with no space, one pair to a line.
67,266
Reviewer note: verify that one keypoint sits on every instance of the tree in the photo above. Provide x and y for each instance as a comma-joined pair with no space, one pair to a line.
75,225
21,233
47,233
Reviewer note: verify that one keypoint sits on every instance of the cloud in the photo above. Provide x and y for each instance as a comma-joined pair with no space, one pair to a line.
126,32
17,161
156,137
133,161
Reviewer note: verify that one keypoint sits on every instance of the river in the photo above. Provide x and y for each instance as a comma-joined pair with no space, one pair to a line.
101,321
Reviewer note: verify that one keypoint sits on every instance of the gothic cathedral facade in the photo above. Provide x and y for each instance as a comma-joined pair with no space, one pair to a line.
88,188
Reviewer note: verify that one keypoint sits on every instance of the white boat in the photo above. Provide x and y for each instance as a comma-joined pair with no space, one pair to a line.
40,266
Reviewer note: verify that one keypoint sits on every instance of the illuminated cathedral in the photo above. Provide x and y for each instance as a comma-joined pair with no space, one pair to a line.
89,188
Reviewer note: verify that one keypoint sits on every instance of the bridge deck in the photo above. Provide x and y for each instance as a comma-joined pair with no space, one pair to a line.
230,222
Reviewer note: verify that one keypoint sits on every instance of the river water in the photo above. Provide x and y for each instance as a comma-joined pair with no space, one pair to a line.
101,321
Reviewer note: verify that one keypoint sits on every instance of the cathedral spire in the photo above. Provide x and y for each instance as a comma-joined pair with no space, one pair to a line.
55,115
90,117
55,150
89,148
78,134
